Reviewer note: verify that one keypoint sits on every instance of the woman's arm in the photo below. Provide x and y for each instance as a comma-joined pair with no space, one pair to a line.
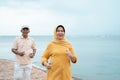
71,56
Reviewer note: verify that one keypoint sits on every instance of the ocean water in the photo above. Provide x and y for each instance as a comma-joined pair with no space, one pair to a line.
98,57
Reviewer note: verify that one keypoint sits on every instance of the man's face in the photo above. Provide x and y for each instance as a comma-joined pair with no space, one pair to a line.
25,31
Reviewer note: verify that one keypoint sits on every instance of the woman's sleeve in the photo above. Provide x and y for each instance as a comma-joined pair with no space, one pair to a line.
73,52
46,54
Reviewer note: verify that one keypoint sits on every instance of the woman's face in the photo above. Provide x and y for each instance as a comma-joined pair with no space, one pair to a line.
60,33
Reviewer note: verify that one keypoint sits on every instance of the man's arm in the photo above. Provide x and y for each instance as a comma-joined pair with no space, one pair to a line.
34,51
31,55
16,52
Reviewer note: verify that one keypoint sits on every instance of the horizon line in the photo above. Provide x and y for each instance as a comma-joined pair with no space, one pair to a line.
69,35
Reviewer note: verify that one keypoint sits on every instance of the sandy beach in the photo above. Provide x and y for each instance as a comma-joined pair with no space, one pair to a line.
7,68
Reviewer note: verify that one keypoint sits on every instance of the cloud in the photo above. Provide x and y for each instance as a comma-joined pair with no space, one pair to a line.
79,17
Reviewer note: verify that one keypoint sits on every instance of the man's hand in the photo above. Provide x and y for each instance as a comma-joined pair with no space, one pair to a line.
21,53
31,55
15,51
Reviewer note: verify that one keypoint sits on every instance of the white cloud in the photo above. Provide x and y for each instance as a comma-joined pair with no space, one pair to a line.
79,17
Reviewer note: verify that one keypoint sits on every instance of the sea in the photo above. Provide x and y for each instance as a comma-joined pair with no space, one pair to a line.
98,56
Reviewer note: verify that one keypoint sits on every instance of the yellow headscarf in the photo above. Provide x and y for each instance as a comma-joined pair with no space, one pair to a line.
63,42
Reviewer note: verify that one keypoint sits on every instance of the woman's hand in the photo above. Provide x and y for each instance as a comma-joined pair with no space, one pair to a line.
71,56
68,53
47,65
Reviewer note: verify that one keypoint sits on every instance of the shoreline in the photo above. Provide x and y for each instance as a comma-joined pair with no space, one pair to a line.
7,68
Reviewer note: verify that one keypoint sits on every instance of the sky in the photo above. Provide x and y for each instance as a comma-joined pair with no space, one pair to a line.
79,17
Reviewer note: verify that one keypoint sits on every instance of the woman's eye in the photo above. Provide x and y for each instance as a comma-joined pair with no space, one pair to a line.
60,31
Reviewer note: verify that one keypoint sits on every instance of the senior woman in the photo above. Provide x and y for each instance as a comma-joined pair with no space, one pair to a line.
61,54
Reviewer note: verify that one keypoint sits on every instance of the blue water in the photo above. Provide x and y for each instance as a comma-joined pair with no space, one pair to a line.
99,57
